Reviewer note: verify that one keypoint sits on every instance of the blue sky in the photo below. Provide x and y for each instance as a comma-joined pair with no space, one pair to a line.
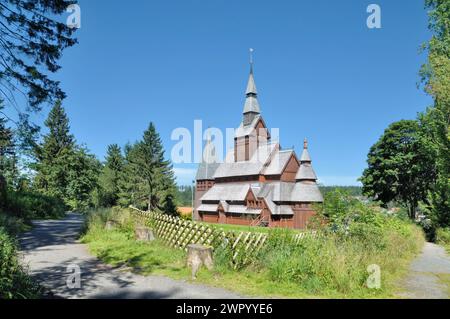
320,72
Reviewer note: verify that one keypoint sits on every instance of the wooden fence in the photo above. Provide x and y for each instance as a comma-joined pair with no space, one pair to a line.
179,233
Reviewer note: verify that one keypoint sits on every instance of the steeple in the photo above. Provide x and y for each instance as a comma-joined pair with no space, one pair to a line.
305,158
305,172
251,107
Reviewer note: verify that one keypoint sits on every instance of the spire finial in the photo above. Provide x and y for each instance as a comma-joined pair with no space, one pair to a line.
251,55
305,144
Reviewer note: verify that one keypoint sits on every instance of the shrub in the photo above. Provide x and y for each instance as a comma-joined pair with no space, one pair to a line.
97,219
443,236
14,282
29,205
350,236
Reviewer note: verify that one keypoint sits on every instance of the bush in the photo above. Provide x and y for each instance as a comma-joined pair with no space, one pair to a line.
97,219
350,236
14,282
443,236
29,205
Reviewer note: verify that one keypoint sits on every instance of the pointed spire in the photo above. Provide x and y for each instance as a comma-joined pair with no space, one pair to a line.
251,107
305,154
251,86
305,172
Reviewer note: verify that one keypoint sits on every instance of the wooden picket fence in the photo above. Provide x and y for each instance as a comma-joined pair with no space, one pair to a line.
179,233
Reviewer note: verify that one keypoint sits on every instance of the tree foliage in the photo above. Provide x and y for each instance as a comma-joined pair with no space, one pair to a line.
435,122
64,169
111,176
400,167
6,149
31,43
148,180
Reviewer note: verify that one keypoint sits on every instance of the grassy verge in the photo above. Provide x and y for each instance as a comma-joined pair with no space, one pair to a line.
242,228
443,238
237,228
445,280
14,280
330,266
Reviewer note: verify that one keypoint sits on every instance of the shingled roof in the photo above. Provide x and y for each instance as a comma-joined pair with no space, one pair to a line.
206,171
306,172
278,162
306,192
251,101
244,168
227,192
209,165
291,192
245,130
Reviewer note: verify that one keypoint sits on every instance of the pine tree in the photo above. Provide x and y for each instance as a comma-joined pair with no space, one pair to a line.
32,42
63,169
54,155
82,178
148,179
111,175
6,149
131,191
151,160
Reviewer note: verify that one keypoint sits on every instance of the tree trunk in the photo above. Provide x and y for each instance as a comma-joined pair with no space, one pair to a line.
412,211
143,233
199,255
150,189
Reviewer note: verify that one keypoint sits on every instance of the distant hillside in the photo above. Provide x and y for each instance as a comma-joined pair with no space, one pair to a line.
184,196
352,190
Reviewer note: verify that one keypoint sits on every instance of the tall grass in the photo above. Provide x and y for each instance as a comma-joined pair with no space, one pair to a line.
332,264
118,247
14,281
443,237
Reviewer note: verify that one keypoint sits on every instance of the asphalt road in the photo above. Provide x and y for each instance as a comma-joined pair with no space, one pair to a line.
51,247
423,280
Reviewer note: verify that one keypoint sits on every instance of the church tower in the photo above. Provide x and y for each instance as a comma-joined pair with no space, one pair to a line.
253,131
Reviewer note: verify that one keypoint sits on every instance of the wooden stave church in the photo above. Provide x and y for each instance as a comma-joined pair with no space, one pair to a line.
258,183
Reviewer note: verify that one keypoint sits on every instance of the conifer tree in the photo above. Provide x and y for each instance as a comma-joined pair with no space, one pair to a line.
54,155
148,177
64,169
6,144
111,176
31,43
130,185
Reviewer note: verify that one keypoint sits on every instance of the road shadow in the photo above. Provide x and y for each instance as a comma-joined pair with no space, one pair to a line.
52,232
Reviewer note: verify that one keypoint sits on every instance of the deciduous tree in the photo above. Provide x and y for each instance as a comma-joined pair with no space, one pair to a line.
400,167
435,122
